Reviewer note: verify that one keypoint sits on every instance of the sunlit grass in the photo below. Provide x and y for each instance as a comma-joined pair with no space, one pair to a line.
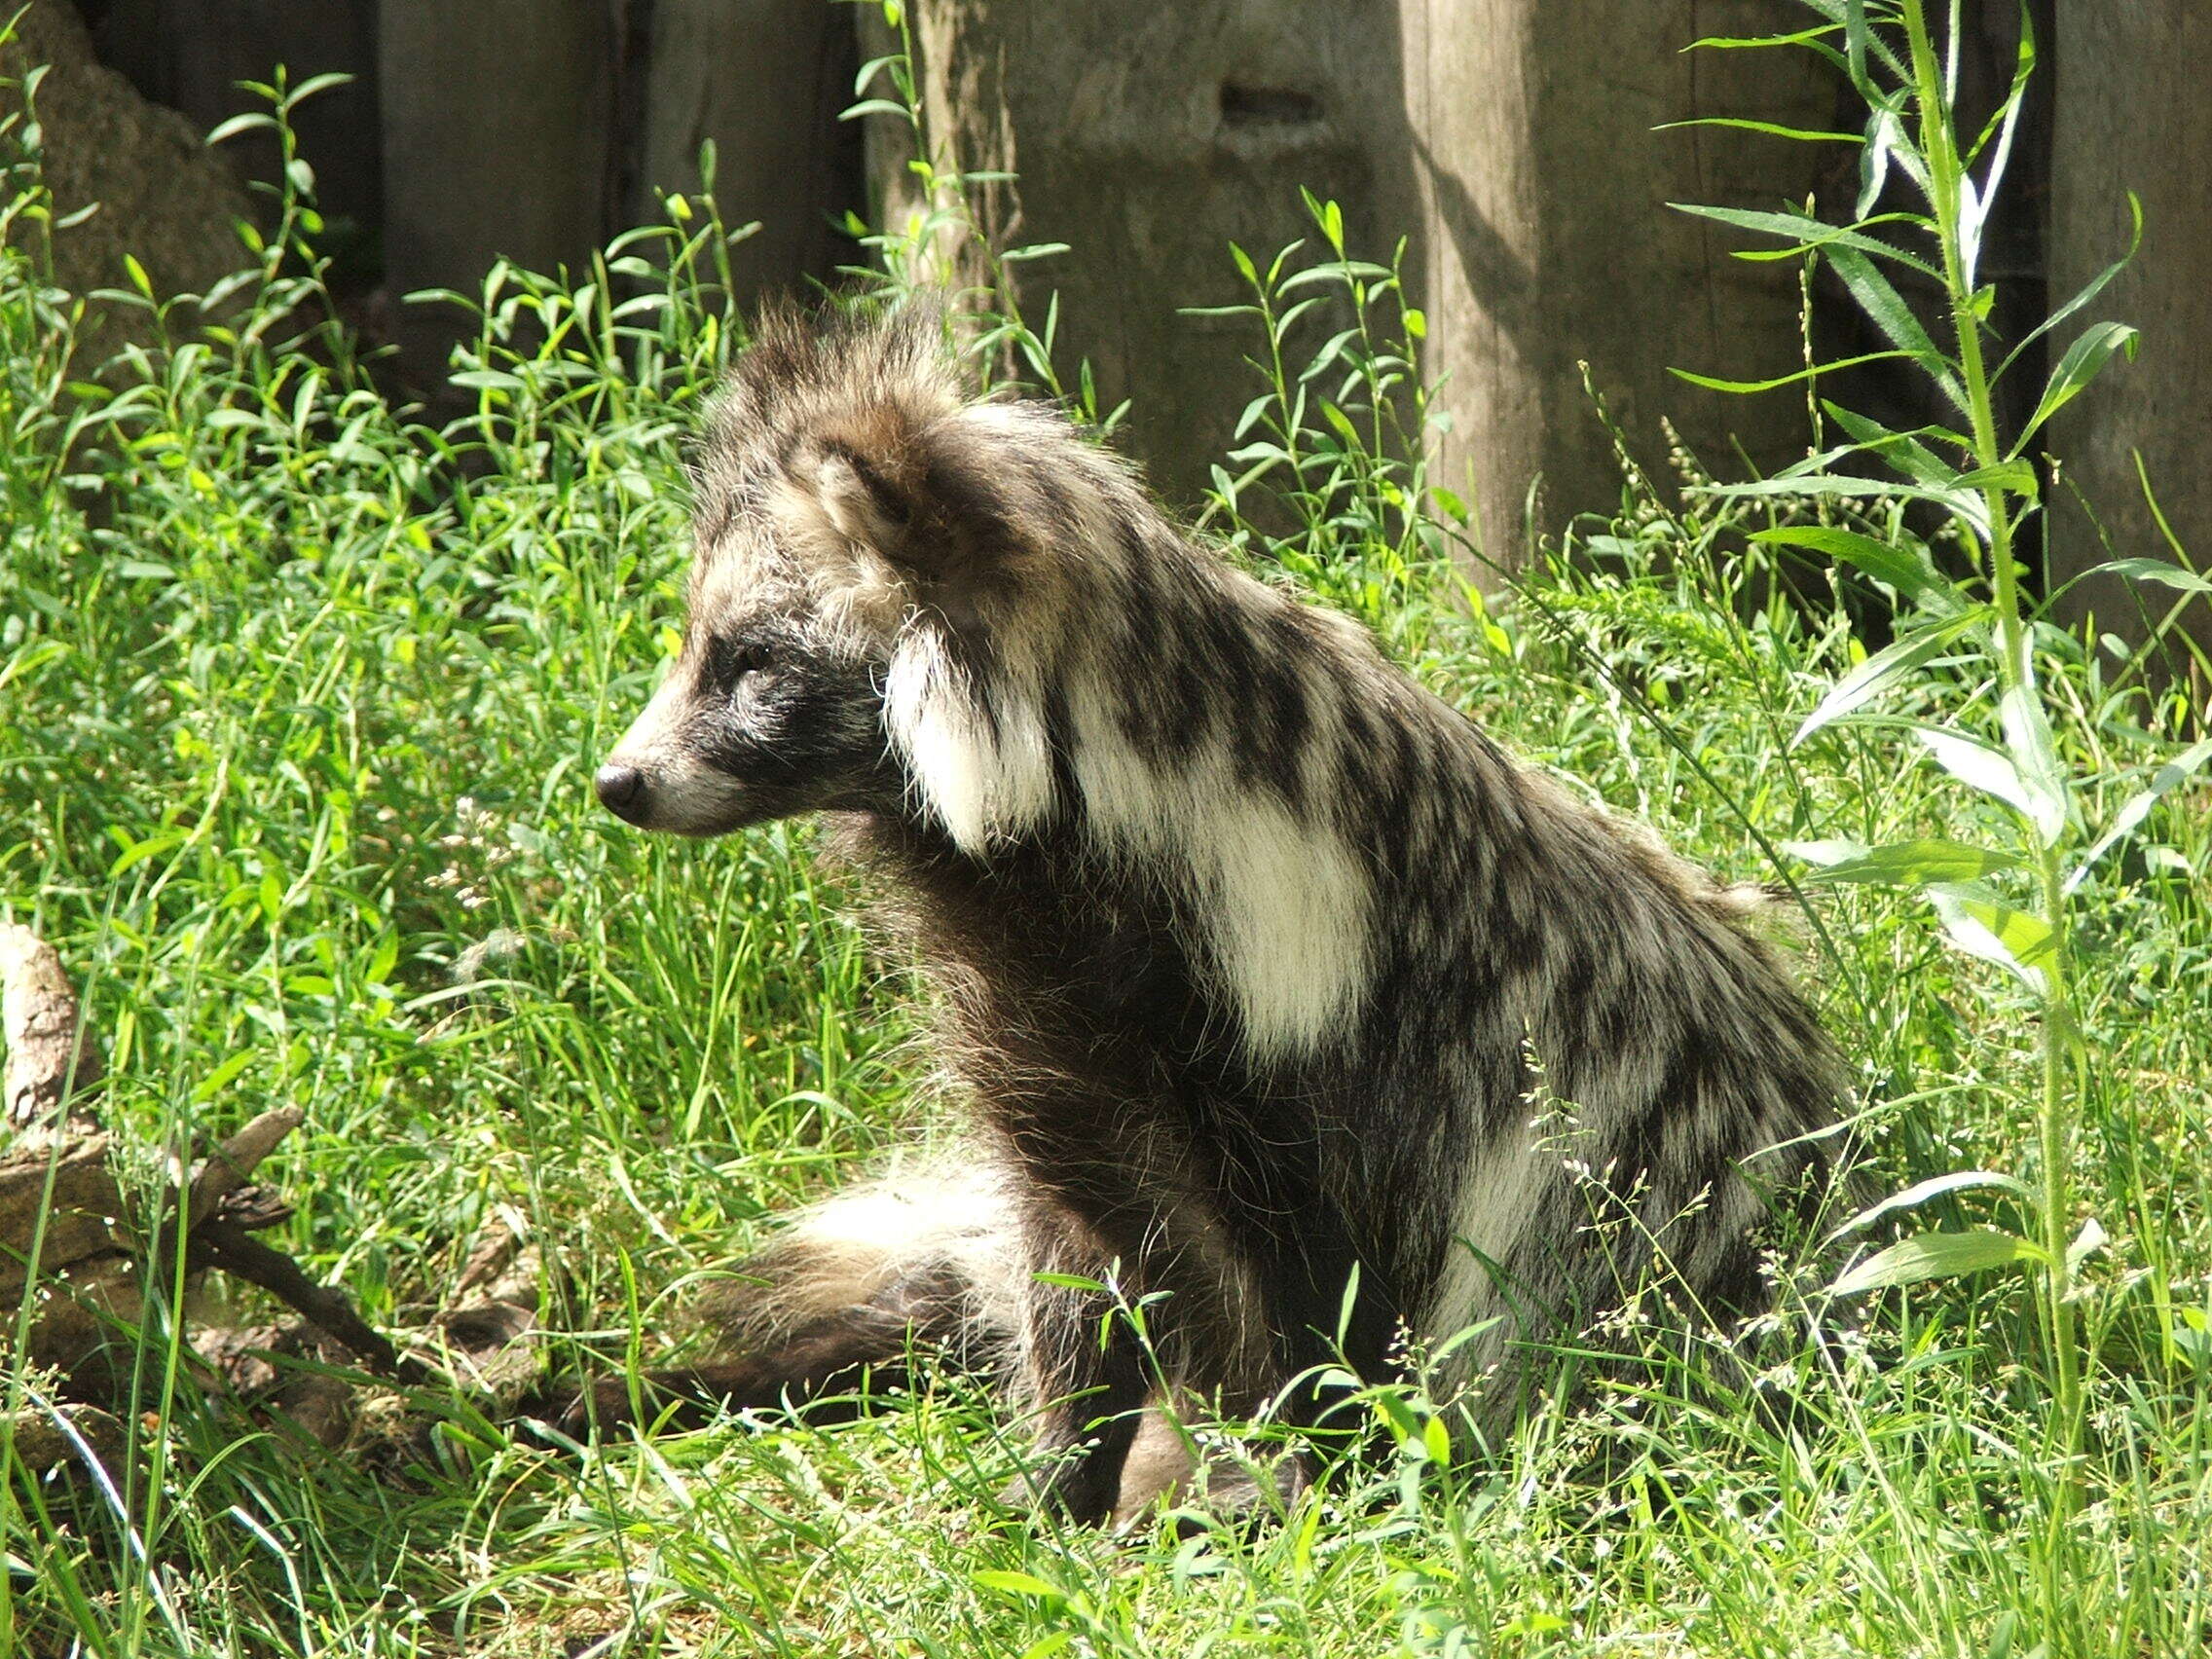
298,704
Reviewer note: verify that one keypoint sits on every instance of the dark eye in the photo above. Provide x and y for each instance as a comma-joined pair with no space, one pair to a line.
732,662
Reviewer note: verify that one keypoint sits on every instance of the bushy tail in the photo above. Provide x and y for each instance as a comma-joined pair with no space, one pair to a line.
929,1259
935,1251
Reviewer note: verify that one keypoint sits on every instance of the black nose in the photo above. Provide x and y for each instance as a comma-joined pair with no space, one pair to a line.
620,789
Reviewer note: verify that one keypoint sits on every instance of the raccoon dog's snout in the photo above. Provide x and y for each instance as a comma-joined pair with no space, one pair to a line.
620,789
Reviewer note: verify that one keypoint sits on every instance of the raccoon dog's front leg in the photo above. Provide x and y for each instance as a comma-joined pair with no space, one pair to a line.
1116,1204
1089,1376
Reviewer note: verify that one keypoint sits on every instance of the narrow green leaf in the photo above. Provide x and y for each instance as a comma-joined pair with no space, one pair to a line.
2083,361
1908,863
870,69
138,852
1841,486
1994,932
1396,1415
2192,1333
2150,571
1883,134
2137,807
1936,1256
1009,1583
1887,309
221,1078
1907,569
1325,357
1913,1196
2014,477
316,84
1900,657
2006,119
1744,43
1748,387
1436,1441
2034,753
1979,767
1858,46
1808,235
1336,271
2086,1243
1772,130
1903,450
1966,507
1827,852
1972,212
253,121
2089,290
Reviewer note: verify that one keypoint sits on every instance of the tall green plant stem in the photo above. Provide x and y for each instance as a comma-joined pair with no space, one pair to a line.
2016,670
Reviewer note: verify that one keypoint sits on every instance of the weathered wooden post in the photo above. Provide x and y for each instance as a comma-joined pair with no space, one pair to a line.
1542,189
2134,115
1510,141
536,132
517,166
765,80
1148,136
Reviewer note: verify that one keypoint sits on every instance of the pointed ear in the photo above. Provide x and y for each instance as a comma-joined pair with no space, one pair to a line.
918,494
863,503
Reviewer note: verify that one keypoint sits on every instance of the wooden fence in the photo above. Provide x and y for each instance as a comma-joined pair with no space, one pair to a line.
1511,142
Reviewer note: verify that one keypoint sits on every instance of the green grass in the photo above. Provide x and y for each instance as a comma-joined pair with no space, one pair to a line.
298,704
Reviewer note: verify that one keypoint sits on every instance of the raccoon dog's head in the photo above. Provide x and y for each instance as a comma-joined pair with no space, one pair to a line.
843,490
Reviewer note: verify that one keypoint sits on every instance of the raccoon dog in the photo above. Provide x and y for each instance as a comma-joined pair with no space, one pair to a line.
1248,950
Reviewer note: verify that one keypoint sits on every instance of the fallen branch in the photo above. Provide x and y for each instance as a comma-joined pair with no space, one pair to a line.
73,1236
227,1245
51,1059
232,1164
70,1186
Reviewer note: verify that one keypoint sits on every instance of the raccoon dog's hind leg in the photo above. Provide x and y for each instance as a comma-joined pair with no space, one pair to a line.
856,1284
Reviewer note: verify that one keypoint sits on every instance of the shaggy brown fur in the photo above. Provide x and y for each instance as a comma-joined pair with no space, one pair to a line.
1250,947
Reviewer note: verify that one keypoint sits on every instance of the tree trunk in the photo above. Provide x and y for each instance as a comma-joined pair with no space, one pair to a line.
1148,136
1510,142
2133,115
